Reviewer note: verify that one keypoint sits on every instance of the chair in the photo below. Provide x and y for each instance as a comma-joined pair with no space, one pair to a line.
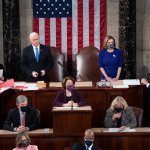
139,115
87,64
56,73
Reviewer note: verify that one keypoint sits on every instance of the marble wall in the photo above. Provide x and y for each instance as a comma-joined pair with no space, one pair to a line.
1,34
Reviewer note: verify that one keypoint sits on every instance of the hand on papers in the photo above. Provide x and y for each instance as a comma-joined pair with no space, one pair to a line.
70,103
122,128
21,128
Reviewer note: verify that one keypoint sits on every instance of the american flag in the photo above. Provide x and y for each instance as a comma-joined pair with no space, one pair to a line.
70,24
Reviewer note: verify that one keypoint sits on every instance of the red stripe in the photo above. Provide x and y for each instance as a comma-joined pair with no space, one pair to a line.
58,33
80,24
69,44
47,31
36,25
102,21
91,22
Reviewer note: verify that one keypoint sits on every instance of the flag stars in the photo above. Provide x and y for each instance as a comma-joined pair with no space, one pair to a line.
48,8
44,12
37,4
52,12
59,4
37,12
52,4
56,8
67,4
60,13
64,8
44,4
41,8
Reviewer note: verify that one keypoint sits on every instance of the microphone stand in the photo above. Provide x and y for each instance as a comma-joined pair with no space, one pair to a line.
60,64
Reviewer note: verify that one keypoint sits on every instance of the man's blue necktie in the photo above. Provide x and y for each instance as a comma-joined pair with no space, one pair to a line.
37,54
86,147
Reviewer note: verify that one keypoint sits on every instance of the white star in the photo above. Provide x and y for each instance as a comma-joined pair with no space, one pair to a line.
44,12
59,12
48,8
37,12
55,0
63,0
40,0
37,4
59,4
56,8
41,8
67,12
44,4
52,12
64,8
67,4
48,0
52,4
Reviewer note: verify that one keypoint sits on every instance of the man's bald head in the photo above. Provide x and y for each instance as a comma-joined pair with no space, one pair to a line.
89,134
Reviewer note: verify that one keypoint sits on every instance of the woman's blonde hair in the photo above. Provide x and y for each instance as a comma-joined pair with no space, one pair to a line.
119,99
108,37
19,137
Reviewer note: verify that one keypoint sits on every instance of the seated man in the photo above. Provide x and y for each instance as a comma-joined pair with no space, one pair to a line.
87,144
21,118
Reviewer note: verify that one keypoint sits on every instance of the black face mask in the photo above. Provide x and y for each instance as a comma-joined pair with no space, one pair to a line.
24,144
118,109
88,143
25,108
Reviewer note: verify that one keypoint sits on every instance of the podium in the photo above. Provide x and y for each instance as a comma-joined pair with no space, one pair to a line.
67,121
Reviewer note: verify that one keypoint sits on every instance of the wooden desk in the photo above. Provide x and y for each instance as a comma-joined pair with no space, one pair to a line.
67,121
98,98
139,140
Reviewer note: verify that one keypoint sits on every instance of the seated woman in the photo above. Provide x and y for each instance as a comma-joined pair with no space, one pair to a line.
68,96
120,115
23,142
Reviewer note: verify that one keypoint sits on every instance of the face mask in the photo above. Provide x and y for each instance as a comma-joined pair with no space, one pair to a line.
88,142
118,110
111,46
25,108
70,87
24,144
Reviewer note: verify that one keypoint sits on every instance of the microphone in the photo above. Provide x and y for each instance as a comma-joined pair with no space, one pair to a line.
60,64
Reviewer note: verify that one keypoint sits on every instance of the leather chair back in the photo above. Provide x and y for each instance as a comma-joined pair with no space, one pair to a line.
139,115
87,64
38,116
56,73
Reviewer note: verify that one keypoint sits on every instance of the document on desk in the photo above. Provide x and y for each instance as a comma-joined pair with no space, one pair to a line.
120,86
83,84
118,130
30,87
55,84
131,82
1,72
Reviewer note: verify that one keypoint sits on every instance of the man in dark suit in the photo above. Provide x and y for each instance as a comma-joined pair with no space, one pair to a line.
15,120
36,60
87,144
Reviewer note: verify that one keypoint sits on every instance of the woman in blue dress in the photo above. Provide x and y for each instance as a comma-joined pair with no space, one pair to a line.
110,60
